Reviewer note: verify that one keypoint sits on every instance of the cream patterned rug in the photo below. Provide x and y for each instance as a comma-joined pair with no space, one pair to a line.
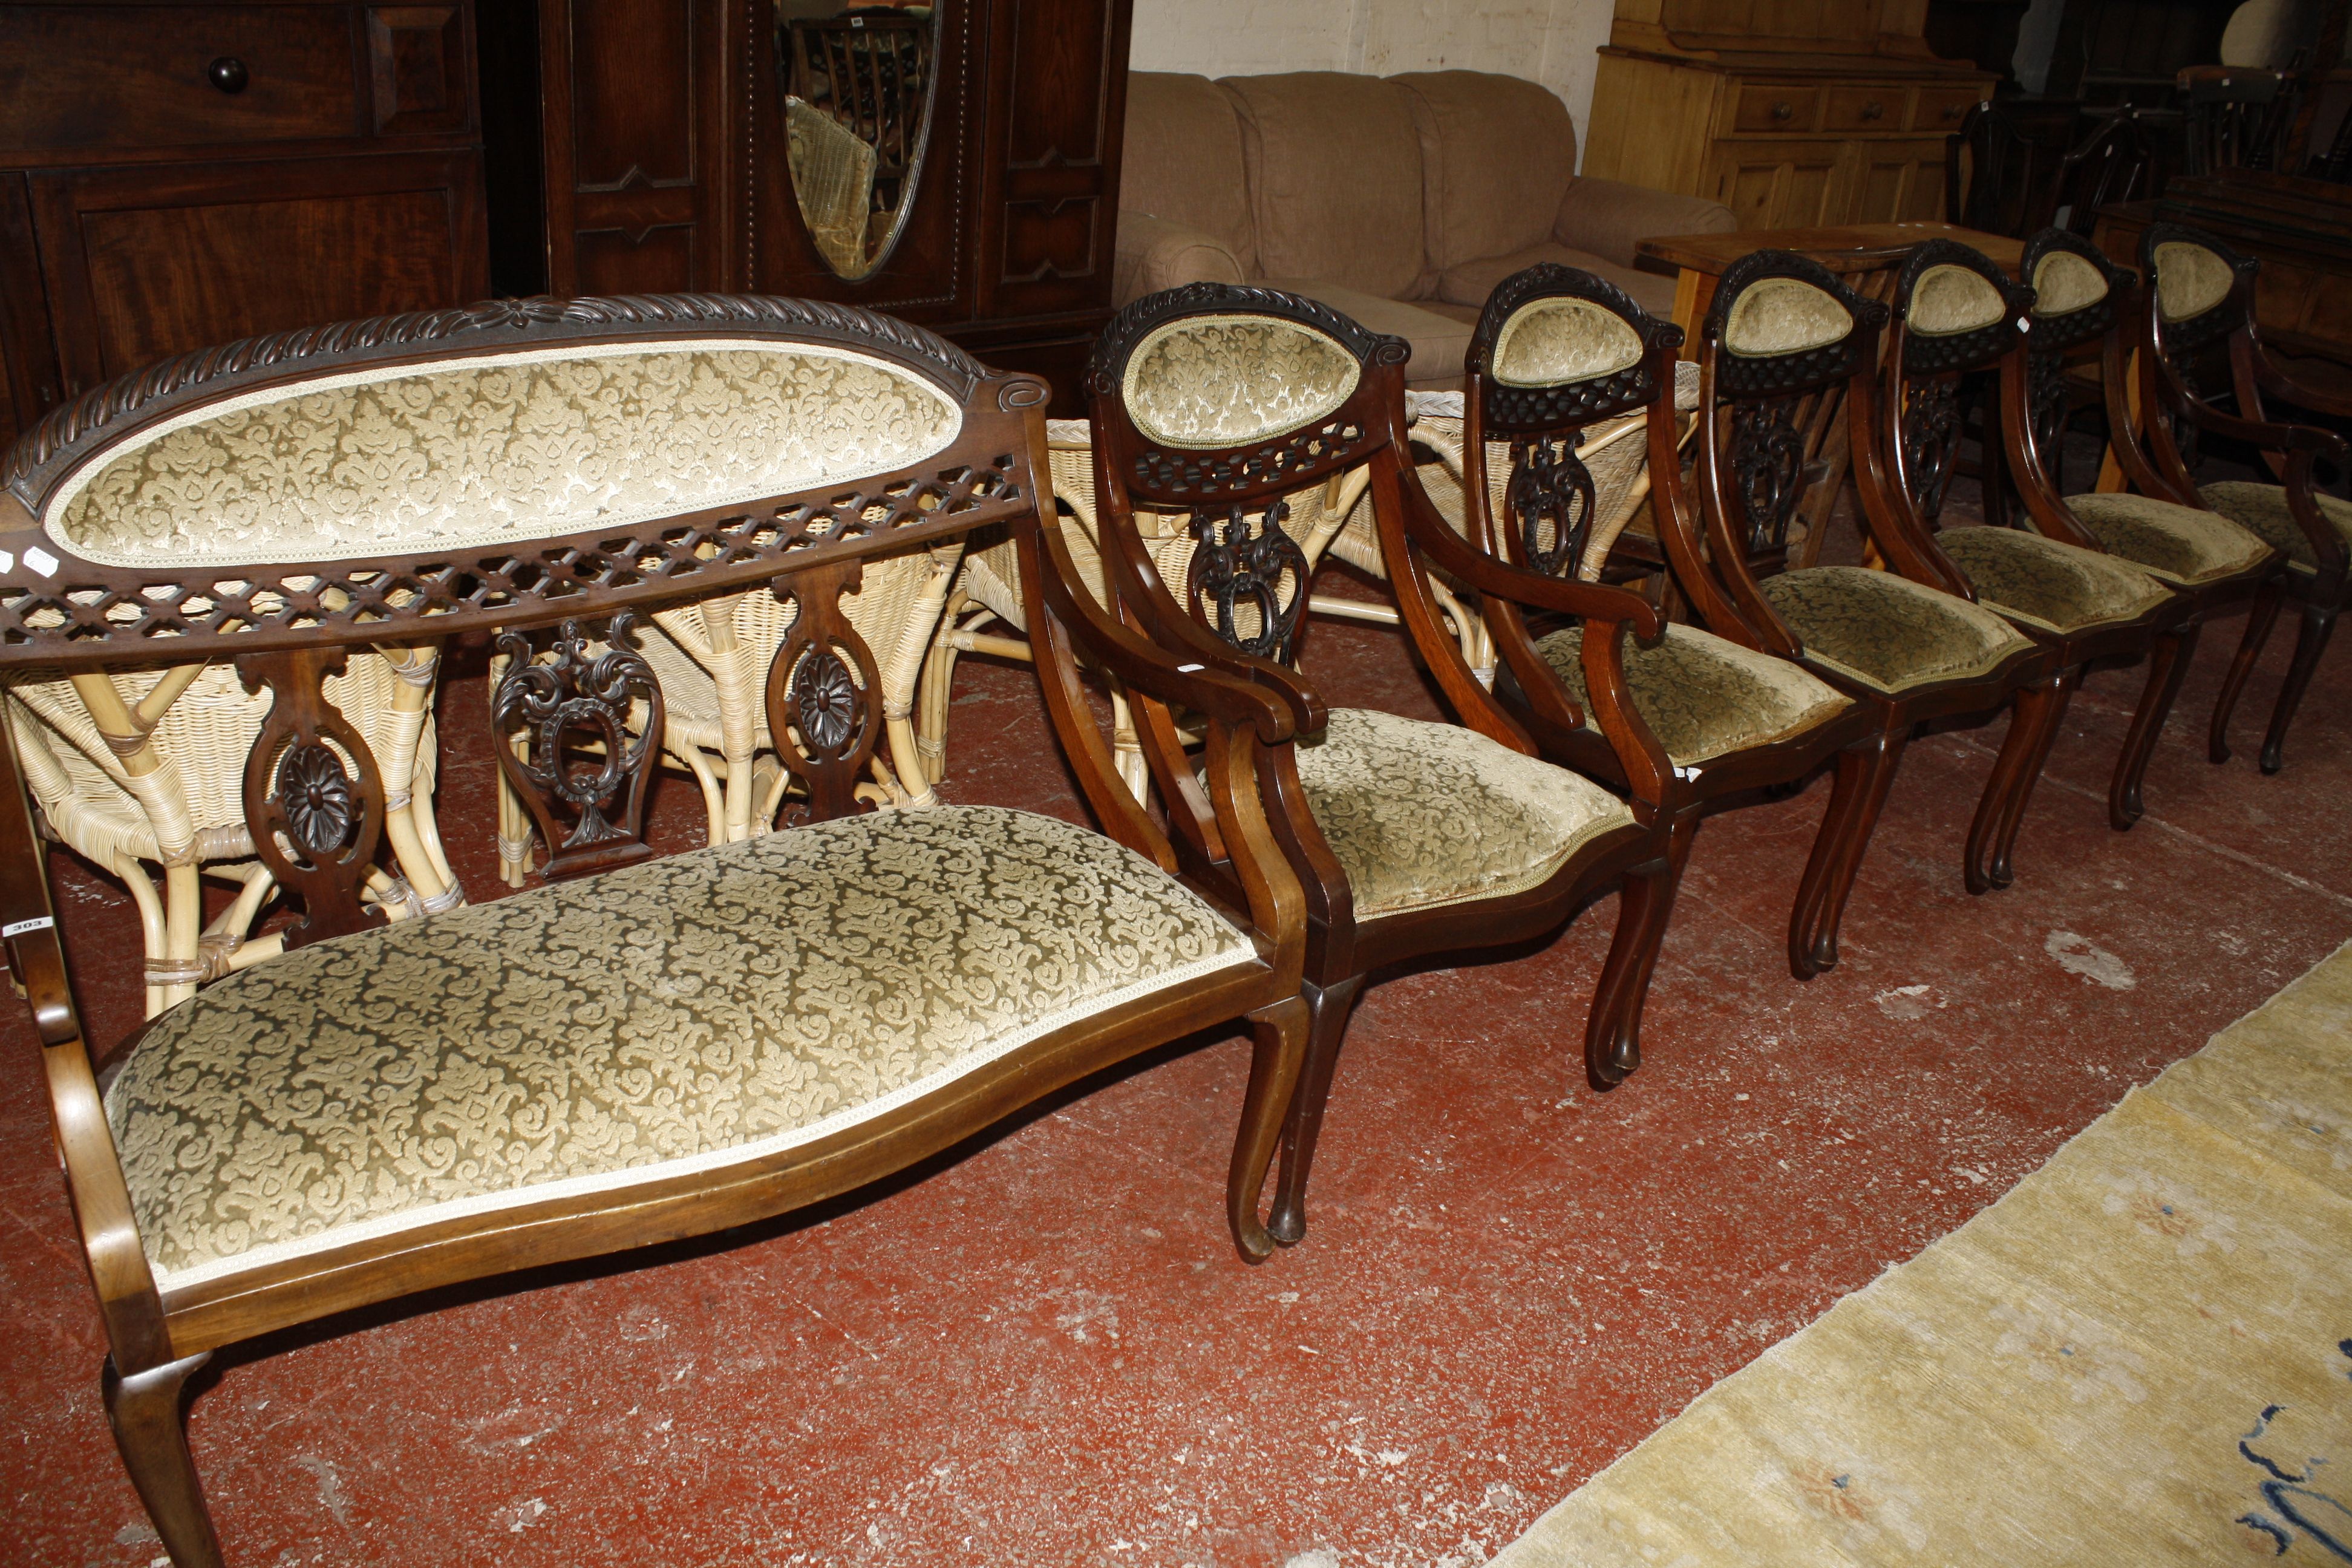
2142,1355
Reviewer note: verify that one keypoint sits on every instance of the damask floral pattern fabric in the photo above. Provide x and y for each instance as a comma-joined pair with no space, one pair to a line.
1886,630
2262,509
1784,316
524,447
1220,380
1422,814
2043,583
1703,695
1562,339
2179,543
677,1015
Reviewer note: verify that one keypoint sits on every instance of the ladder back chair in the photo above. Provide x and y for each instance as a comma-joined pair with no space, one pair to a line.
1410,837
1559,353
1958,316
1781,330
384,1108
2201,306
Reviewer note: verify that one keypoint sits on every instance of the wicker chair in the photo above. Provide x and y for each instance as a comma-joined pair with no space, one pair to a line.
148,770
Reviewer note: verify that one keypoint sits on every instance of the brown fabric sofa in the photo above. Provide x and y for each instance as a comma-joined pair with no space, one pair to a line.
1401,200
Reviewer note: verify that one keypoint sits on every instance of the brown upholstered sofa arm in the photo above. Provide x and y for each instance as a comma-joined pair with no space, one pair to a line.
1155,254
1606,217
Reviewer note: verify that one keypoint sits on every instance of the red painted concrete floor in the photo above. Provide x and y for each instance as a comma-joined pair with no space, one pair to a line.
1044,1350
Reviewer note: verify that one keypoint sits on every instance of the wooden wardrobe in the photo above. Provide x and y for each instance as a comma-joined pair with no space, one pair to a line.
648,155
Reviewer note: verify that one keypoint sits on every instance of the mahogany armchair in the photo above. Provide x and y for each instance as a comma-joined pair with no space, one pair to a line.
1408,837
380,1110
1782,332
2202,304
1559,353
1956,315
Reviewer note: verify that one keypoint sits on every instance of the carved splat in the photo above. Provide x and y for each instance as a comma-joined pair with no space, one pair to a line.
825,697
1931,442
580,770
1239,562
1767,463
1550,500
313,798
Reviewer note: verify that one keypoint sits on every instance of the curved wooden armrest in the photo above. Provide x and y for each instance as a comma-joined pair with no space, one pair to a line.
2278,383
2268,434
1455,555
1212,688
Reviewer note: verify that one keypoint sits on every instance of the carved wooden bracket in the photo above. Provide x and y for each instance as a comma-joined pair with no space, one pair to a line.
581,770
1235,563
315,823
825,696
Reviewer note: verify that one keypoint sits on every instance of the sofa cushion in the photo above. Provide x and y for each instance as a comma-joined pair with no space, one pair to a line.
679,1017
2045,582
1497,155
1703,695
1439,341
1887,631
2179,543
2262,510
1422,814
1183,160
1334,179
1470,283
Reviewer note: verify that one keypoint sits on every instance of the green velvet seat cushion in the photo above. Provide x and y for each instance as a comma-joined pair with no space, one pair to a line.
2058,587
1887,631
1423,815
2186,544
672,1017
1702,695
2262,510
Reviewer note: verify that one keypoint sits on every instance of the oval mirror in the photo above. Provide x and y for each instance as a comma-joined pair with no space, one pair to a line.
858,112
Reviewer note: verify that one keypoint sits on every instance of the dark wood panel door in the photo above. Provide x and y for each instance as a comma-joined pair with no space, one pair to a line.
150,261
1054,157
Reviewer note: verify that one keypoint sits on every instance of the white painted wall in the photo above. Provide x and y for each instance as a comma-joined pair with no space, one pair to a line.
1549,41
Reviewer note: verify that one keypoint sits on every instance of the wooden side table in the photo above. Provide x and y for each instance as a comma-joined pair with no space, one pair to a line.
1866,257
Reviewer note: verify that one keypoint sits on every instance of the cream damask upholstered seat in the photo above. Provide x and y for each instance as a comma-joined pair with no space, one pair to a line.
1424,815
670,1019
2184,544
2262,509
1702,695
1888,631
2044,583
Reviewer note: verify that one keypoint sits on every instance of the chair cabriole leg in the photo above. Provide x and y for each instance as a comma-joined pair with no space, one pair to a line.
2260,618
152,1432
2060,694
2310,642
2168,666
1865,772
1278,1053
1645,906
1327,1010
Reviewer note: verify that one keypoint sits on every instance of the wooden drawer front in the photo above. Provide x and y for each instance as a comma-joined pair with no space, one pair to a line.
1775,109
1864,109
99,77
1940,109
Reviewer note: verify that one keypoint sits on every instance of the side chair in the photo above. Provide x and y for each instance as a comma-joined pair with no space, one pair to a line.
1781,330
666,1047
1409,837
2202,304
1559,353
1956,315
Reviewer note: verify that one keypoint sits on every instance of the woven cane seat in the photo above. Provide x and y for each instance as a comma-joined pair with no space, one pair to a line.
1423,815
1702,695
1887,631
2185,544
670,1018
2043,583
2262,510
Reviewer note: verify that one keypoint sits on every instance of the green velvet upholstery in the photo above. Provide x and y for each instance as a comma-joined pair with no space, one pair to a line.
1887,631
1702,695
2262,511
2185,544
675,1016
1423,815
1221,381
1550,341
2058,587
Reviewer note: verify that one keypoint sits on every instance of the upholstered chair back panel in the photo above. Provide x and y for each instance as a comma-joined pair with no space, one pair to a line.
1949,299
1784,316
1550,341
1334,180
2064,283
521,447
2189,279
1183,160
1225,381
1497,154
